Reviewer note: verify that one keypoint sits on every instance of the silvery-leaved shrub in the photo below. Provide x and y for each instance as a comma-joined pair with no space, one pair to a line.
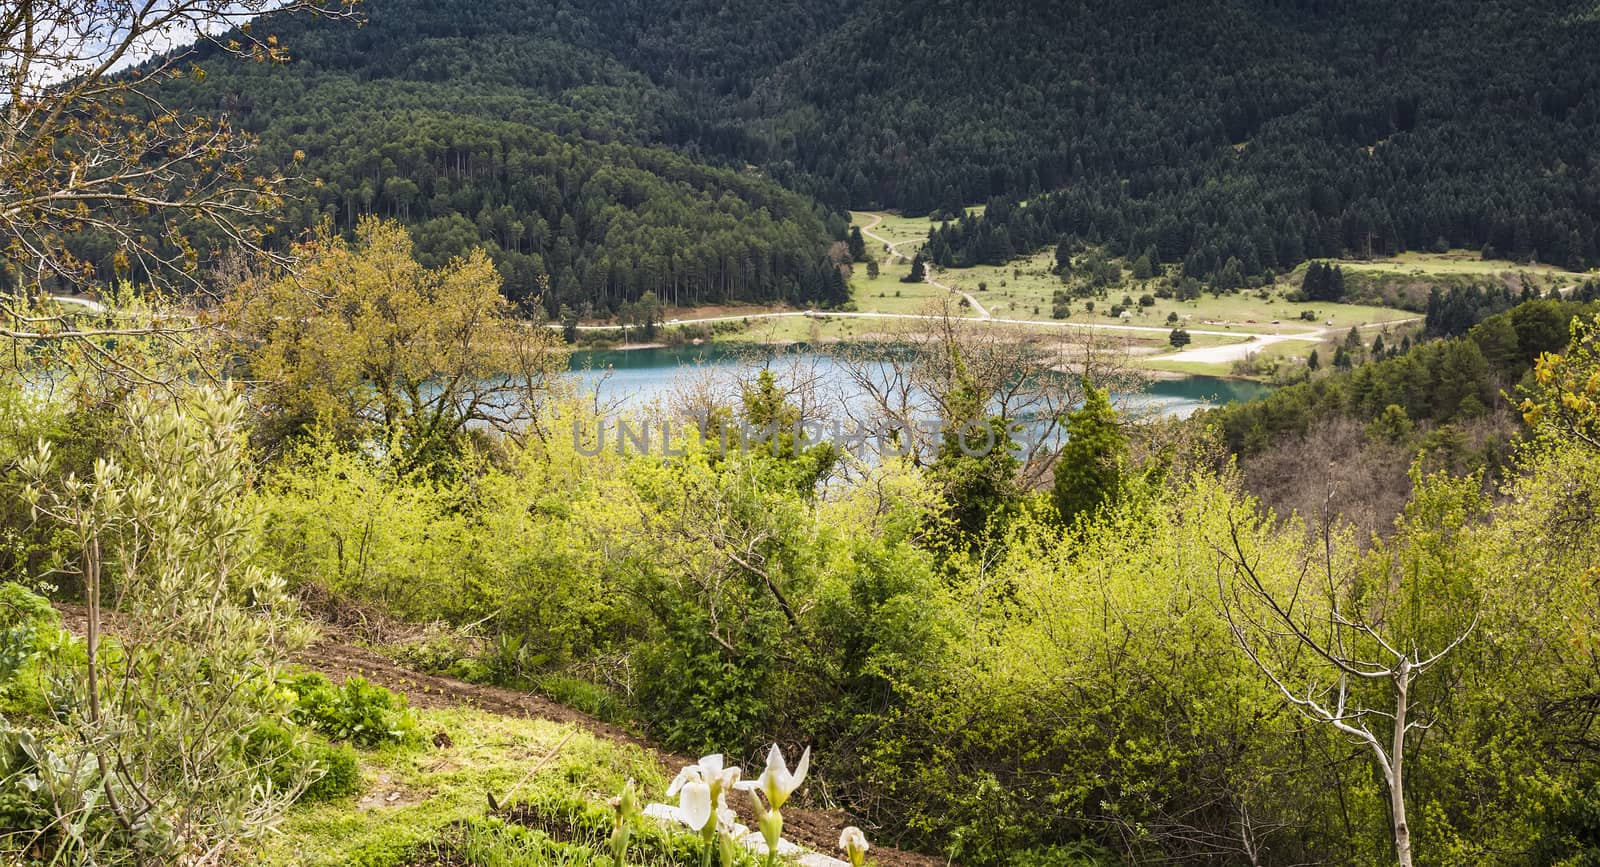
146,747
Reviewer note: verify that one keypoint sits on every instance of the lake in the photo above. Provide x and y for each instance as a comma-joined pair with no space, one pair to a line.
634,378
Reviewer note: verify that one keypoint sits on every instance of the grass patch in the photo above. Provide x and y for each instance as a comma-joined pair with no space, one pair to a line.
887,294
1192,368
431,802
1026,287
1453,262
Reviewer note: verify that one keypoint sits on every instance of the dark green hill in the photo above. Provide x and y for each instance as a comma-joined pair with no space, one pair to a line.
519,126
1265,131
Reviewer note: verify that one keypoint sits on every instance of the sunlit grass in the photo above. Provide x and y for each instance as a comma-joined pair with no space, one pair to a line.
413,796
1453,262
1025,289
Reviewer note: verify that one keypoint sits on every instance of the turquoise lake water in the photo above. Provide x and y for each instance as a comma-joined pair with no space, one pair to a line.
634,378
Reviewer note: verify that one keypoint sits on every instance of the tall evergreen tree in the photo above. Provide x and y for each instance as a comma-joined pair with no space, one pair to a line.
919,271
857,244
1089,471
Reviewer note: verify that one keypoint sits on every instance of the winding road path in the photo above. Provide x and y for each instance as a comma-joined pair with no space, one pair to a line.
894,253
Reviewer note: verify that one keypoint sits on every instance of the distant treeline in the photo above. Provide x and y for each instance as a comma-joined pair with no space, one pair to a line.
1447,380
445,117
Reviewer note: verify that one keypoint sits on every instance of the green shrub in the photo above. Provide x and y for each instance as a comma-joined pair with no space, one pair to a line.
293,758
471,670
358,711
30,630
25,620
341,772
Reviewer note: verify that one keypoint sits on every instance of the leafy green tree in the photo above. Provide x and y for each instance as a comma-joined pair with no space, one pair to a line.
362,340
1179,338
647,315
777,431
1091,467
1566,393
1232,275
1393,426
1352,340
976,463
1142,269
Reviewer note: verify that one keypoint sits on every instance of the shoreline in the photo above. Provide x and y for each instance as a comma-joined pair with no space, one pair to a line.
1153,373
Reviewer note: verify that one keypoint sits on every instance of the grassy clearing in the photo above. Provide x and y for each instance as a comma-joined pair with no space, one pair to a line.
1025,289
1453,262
418,804
887,294
907,233
1191,368
1200,340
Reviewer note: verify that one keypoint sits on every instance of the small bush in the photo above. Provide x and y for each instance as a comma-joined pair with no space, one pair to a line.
29,629
291,758
25,618
473,670
341,772
360,712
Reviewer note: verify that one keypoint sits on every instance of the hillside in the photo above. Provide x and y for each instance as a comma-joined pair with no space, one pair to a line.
316,551
497,124
1259,131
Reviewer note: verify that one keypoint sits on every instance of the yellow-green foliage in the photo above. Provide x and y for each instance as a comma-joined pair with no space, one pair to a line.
1097,693
1019,694
1041,696
417,802
704,573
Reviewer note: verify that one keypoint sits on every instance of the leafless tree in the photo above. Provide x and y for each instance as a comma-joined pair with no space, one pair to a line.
1335,665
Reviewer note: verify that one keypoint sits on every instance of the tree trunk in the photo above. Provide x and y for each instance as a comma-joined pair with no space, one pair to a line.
1397,789
91,580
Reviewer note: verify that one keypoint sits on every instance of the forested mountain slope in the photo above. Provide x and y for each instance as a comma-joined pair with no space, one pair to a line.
1262,131
526,129
1265,132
